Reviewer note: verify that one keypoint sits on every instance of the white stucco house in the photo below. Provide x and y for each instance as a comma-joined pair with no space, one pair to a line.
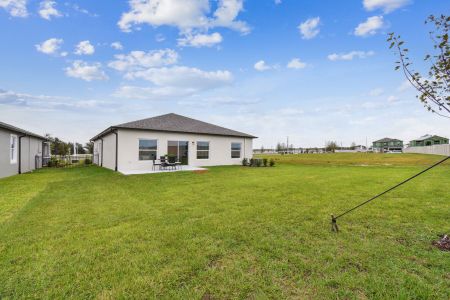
132,147
21,151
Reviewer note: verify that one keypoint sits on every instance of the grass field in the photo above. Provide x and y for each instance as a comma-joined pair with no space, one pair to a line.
230,233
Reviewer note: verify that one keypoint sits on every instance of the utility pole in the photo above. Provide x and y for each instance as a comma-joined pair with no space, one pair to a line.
367,150
287,145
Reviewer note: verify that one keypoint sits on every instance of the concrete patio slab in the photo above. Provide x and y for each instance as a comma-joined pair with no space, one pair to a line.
183,168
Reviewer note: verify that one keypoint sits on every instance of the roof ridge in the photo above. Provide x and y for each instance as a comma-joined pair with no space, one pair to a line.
172,122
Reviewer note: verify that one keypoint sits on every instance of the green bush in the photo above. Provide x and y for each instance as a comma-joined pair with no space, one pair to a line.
265,160
271,162
245,162
258,162
53,162
252,162
171,158
87,161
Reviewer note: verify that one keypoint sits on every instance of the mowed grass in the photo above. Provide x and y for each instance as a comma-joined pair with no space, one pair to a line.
230,233
356,159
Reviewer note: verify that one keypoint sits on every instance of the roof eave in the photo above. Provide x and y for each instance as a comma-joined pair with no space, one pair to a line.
180,131
21,131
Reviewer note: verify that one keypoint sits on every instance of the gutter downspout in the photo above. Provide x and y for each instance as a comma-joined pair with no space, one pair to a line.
117,148
20,153
101,151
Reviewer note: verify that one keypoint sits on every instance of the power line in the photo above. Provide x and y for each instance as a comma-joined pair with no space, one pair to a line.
334,226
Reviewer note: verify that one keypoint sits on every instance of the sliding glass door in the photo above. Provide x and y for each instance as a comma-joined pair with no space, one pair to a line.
178,149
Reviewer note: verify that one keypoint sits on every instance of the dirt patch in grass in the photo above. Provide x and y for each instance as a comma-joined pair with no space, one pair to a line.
443,243
201,171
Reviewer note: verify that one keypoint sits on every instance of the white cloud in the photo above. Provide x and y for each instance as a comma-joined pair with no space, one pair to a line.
370,26
177,81
45,102
86,71
79,9
16,8
296,63
50,46
214,101
310,28
278,2
117,46
200,40
183,77
376,92
226,14
362,121
84,48
405,85
290,111
152,93
160,38
140,60
392,98
167,80
47,10
187,15
262,66
386,5
350,55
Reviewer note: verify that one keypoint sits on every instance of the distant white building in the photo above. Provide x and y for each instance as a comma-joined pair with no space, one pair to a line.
135,146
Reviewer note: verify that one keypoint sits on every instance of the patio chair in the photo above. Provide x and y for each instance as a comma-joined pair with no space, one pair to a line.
166,164
156,164
173,162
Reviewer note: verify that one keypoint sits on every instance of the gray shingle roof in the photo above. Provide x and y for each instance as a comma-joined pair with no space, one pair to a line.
176,123
387,140
19,130
428,136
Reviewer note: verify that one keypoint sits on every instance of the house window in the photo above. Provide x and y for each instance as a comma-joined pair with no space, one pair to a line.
147,149
235,150
202,150
13,149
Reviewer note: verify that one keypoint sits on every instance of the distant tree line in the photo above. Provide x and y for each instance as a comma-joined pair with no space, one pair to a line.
59,147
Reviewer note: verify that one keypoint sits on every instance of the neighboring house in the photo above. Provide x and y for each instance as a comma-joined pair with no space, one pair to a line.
360,148
133,146
21,151
387,144
351,149
428,140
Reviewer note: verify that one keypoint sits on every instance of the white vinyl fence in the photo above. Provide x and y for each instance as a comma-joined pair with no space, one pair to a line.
434,149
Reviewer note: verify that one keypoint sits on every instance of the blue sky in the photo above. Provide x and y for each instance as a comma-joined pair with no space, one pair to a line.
311,70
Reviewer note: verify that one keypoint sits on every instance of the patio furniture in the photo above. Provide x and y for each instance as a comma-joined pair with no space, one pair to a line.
166,164
156,164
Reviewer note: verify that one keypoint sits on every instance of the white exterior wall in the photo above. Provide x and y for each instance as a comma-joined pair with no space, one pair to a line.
109,151
6,167
30,147
128,158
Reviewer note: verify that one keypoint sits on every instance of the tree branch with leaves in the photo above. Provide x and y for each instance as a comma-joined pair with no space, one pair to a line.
434,88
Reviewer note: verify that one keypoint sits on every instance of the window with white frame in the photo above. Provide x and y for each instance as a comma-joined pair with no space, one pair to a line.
147,149
13,149
235,150
202,150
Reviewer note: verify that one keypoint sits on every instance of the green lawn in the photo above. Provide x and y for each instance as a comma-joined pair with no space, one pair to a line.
233,232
